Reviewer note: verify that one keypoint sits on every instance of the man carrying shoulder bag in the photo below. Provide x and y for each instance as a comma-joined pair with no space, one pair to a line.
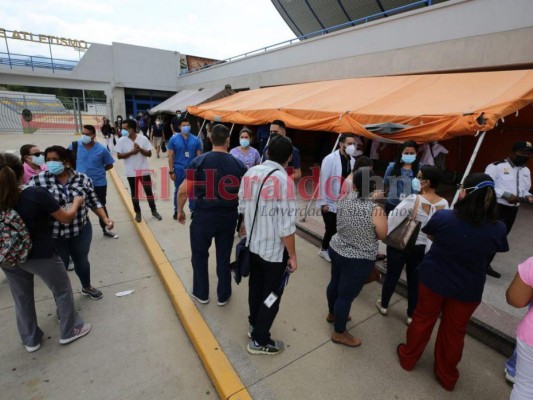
272,245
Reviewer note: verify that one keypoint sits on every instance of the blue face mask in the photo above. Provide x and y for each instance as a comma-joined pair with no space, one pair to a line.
124,132
415,184
186,129
86,139
55,167
244,142
37,160
408,158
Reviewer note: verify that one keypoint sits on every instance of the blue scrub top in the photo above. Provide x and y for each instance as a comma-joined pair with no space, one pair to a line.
92,162
184,150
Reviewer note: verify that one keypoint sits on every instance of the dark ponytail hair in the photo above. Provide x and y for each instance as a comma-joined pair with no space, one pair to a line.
398,162
10,177
479,206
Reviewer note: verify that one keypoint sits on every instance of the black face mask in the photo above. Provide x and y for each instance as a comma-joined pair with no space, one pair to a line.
520,160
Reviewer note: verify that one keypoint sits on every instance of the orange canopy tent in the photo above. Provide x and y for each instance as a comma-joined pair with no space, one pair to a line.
436,106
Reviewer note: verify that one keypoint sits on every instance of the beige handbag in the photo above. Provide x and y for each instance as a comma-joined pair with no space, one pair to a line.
404,236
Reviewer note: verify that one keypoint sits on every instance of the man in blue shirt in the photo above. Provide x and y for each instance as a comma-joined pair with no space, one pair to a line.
93,160
182,149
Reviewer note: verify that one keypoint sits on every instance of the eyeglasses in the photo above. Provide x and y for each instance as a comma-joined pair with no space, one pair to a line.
274,132
39,154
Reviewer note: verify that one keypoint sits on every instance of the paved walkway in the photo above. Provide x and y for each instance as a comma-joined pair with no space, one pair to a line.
137,348
311,367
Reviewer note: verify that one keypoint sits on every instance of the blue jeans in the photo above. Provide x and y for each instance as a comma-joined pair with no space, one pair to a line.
78,248
396,259
348,276
205,226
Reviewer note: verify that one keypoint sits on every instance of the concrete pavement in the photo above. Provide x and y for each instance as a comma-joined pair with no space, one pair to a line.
137,348
311,367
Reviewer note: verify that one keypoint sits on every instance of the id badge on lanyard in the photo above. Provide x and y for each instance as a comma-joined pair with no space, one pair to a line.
273,296
68,205
185,147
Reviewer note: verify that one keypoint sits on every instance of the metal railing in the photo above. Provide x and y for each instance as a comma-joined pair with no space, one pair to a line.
321,32
33,62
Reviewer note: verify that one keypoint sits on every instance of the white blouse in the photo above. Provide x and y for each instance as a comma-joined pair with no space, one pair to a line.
405,208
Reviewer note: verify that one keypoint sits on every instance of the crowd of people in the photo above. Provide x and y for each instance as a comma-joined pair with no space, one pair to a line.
447,257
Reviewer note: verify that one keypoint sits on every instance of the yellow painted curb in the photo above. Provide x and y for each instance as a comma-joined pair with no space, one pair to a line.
220,371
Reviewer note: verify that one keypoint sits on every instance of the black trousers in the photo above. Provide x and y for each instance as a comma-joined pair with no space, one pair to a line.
265,278
507,215
101,193
146,183
330,221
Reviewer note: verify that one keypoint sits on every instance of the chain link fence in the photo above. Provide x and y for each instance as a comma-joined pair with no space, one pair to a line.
35,113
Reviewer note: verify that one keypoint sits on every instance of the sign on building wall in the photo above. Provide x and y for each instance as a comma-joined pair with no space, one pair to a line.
46,39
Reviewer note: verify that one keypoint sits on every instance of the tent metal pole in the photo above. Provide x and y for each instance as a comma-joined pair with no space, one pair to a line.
469,166
318,186
200,131
263,156
202,127
231,130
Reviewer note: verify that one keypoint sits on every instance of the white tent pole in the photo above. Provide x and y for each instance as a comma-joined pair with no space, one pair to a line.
202,127
231,130
264,152
318,186
200,131
469,166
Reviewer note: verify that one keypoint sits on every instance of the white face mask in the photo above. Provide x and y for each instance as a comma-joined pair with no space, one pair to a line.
352,151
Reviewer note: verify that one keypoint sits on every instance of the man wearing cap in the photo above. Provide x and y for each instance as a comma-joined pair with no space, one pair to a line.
512,181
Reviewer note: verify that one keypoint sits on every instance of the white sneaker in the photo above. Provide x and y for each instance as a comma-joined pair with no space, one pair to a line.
199,300
508,376
31,349
408,321
324,254
382,310
78,333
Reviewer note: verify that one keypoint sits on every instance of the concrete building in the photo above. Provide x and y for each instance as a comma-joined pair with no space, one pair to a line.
454,35
132,77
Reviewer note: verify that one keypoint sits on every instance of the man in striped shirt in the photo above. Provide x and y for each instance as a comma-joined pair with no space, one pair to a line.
271,242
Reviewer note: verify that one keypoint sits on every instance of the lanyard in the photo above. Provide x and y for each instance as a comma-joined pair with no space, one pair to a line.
284,280
185,142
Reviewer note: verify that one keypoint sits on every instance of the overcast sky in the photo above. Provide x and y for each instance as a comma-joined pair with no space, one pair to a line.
207,28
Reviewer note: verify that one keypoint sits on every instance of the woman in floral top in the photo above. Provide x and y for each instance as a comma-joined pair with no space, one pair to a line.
245,153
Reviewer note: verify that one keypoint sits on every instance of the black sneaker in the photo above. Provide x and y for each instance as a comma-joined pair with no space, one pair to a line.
175,216
494,274
156,215
138,216
93,293
272,348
